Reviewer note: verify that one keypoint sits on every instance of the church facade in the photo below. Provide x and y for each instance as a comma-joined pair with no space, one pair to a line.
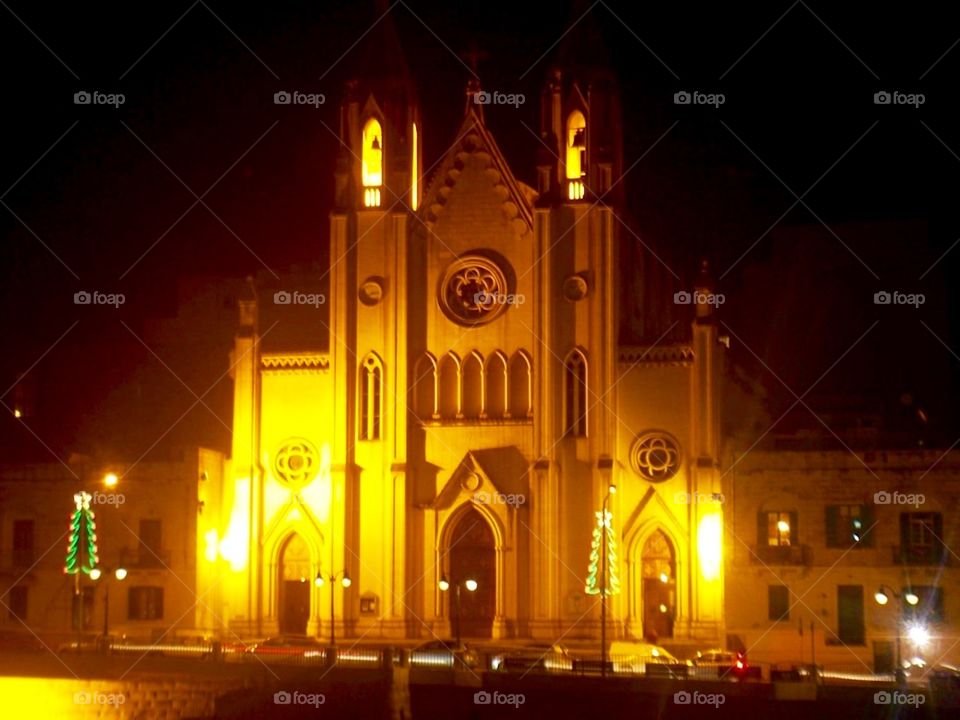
473,404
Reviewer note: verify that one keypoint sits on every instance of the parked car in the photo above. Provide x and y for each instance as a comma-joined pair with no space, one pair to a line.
533,657
289,646
722,664
444,654
634,657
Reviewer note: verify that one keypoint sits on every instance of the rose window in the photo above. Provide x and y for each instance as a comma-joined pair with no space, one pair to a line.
473,291
656,456
297,462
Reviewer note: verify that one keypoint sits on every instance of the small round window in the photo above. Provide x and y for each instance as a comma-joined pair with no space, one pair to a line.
655,456
297,462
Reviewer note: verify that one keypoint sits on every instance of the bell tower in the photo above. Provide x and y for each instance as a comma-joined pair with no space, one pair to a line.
577,230
377,188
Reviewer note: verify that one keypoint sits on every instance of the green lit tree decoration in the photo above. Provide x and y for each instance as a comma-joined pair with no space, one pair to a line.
82,546
594,571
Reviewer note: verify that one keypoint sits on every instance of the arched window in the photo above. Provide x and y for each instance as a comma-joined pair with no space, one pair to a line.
575,394
425,387
576,160
472,386
371,392
415,168
521,402
495,404
371,164
449,385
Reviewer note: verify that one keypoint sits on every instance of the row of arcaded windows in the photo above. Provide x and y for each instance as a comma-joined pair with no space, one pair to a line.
473,387
478,388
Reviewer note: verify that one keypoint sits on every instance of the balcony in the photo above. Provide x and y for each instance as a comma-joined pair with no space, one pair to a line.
919,554
783,555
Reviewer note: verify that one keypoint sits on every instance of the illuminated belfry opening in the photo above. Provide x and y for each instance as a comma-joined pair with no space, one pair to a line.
415,171
576,154
371,164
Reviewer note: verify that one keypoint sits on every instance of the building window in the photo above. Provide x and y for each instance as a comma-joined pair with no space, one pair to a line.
22,543
928,609
371,164
425,387
851,629
145,603
576,160
17,602
472,392
848,526
778,529
920,535
495,404
575,394
521,401
414,167
449,383
150,550
778,602
371,390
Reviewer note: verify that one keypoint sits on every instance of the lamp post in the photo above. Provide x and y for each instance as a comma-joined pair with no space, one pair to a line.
882,596
332,579
470,584
120,575
611,490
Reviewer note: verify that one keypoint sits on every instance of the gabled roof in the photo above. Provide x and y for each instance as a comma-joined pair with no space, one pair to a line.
473,138
505,468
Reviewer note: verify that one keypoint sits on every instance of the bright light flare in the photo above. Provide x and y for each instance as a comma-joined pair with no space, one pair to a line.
710,546
918,634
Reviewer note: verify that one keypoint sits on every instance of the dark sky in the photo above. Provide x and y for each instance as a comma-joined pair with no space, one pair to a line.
100,198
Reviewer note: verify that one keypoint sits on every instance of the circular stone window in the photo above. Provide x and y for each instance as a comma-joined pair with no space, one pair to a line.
473,290
655,456
297,462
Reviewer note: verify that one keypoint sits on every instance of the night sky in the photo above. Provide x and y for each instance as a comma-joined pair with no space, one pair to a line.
104,198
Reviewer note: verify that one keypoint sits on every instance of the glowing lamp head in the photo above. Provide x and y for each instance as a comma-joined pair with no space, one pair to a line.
664,577
471,585
612,489
95,574
17,413
911,597
110,480
918,634
120,573
881,597
346,581
318,581
444,584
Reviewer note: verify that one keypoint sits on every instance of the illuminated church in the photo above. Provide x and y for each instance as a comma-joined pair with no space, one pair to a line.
470,399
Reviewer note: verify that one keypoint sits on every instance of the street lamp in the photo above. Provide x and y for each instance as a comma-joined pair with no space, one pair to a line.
611,490
882,596
110,480
120,574
332,579
470,584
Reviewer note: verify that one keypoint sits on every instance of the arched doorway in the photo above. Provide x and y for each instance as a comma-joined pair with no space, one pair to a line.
473,555
294,586
658,570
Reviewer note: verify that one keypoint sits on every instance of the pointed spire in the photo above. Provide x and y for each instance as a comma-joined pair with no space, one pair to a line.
475,98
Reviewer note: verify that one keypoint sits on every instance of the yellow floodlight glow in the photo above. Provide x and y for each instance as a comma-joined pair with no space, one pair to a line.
110,480
211,539
235,545
710,546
